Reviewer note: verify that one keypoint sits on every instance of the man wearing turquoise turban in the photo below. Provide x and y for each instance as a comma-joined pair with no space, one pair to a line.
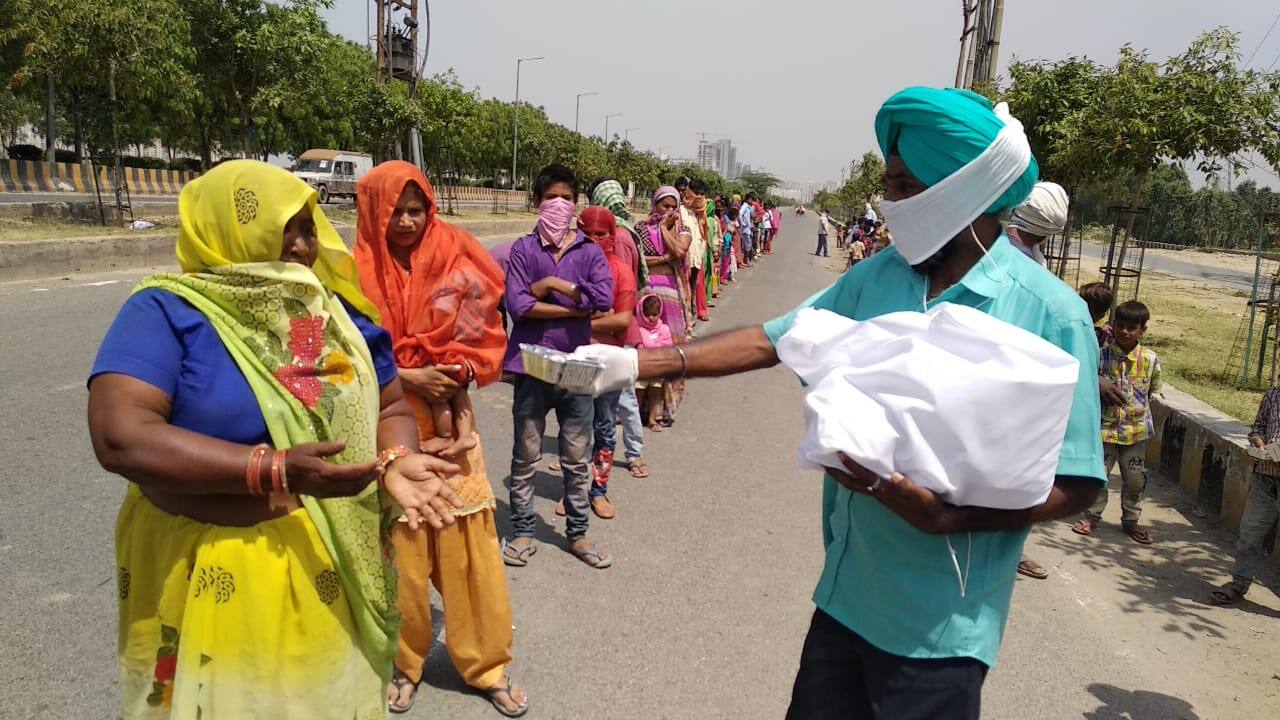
901,629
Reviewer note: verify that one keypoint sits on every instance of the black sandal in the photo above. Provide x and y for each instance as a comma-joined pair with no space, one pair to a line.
493,693
399,682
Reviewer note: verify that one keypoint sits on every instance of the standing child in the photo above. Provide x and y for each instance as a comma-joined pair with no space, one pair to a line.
1261,506
1134,373
653,334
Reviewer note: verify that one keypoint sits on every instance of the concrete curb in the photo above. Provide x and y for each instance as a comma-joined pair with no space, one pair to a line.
36,259
1206,453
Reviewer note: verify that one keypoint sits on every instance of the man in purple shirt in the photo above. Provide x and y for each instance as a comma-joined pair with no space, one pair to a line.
556,279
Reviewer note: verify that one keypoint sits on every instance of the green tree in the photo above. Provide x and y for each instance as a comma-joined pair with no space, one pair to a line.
758,181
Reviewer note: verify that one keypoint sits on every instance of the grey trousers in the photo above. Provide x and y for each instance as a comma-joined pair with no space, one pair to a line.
1133,474
533,400
1261,509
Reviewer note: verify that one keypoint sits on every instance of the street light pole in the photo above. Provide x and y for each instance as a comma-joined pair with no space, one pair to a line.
606,125
626,134
577,107
515,120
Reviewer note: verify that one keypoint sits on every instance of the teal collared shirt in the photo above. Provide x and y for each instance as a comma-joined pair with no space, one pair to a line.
889,582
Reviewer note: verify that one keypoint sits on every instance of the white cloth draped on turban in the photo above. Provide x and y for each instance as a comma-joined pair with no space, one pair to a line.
1044,212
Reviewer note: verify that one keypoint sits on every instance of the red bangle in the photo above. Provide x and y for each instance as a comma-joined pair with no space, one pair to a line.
284,467
253,469
275,472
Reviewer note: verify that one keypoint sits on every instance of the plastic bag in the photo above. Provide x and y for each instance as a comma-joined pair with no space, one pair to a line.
962,403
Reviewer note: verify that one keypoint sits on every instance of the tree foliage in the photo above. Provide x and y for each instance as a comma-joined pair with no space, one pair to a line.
259,78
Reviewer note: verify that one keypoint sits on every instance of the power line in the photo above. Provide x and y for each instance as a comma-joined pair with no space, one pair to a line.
1263,40
1273,63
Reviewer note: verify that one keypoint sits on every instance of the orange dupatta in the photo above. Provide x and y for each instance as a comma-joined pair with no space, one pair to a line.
445,312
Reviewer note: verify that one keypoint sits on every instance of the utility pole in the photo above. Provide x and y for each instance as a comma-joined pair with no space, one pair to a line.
515,119
993,45
966,39
606,125
50,129
577,107
979,42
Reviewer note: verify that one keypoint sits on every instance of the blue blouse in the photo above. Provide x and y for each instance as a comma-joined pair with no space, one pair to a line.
164,341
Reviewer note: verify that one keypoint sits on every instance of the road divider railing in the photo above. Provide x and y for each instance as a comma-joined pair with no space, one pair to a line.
34,177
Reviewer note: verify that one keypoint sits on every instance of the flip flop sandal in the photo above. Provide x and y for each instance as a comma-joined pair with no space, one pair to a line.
493,693
638,468
1142,536
595,561
1084,526
399,681
517,558
1032,569
1228,594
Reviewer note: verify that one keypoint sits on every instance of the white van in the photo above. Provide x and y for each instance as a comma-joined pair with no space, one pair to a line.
332,172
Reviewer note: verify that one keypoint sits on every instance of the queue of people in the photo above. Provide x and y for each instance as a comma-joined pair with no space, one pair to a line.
304,459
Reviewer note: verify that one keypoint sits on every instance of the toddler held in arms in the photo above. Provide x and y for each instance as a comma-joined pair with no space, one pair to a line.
455,420
653,334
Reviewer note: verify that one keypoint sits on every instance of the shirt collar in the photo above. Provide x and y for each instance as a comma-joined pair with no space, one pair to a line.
992,270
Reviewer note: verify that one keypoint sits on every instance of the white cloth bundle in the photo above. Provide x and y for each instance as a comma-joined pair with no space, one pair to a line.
962,403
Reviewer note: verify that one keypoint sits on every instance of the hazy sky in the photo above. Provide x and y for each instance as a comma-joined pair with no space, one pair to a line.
795,84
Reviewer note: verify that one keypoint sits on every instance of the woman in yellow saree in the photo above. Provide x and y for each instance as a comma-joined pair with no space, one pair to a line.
252,403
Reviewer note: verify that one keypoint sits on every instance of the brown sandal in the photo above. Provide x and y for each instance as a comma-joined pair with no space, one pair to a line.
1142,536
494,692
1032,569
638,468
400,682
1084,526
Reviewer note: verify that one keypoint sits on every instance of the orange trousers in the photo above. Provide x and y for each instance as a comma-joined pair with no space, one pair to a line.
464,562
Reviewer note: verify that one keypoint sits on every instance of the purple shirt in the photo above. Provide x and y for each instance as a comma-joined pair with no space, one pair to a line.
583,264
501,254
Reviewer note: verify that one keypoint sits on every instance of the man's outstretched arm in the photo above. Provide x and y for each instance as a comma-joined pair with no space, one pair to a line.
726,353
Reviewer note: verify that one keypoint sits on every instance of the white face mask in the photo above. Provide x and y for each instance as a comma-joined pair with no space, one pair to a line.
923,223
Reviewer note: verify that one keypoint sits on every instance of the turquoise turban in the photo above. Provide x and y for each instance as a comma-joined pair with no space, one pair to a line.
938,131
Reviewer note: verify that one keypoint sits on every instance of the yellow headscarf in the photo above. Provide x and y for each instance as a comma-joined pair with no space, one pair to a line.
236,213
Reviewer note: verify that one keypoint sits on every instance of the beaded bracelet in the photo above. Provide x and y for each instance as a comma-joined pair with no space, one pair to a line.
390,455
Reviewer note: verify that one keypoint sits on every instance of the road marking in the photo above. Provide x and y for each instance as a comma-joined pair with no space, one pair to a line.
99,283
39,290
69,386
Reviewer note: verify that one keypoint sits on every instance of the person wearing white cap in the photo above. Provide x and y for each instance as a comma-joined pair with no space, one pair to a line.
1042,214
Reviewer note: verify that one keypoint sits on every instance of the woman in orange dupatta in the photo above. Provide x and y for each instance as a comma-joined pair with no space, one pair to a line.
437,289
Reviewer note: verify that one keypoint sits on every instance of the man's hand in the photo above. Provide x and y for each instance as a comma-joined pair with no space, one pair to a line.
621,368
1111,394
924,509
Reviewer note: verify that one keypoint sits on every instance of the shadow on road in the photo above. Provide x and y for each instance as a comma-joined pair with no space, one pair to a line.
1174,576
1119,704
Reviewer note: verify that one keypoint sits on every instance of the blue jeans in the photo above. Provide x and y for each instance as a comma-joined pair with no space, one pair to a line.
605,433
748,248
822,245
533,400
632,425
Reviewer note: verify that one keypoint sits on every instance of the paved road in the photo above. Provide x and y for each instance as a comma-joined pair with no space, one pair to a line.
1093,256
704,614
